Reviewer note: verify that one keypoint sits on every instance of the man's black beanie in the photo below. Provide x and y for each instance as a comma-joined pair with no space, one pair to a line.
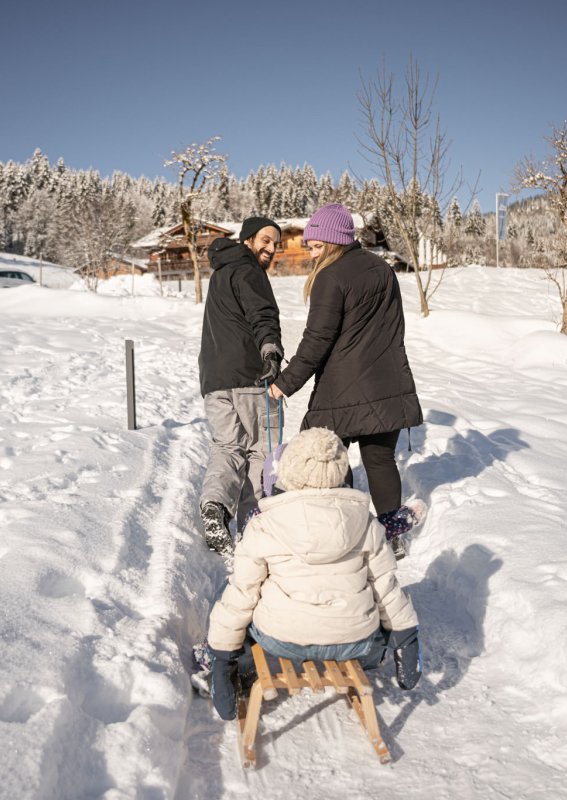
252,225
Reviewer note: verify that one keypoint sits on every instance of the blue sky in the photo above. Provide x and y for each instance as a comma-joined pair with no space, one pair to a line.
117,84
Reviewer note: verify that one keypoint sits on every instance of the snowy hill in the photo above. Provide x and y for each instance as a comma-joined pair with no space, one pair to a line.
50,275
105,582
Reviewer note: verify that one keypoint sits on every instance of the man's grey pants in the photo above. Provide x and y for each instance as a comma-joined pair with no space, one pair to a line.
239,426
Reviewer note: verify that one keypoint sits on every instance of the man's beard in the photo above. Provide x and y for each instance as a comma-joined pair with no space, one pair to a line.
260,257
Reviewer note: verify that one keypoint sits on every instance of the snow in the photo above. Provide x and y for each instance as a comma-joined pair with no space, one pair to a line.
105,582
151,239
45,272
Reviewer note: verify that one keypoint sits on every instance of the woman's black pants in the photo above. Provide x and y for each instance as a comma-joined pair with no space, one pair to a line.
378,454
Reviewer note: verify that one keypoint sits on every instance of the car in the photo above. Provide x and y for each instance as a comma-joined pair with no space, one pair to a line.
14,277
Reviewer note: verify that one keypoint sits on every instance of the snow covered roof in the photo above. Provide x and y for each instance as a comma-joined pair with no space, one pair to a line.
127,259
233,227
151,239
154,238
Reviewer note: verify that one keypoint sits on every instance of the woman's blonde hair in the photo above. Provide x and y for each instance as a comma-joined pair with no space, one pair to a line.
329,254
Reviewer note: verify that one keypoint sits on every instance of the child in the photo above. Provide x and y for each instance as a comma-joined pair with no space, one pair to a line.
313,576
397,522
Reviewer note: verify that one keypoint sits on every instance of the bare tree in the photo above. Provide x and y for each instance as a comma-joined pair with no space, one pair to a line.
94,230
550,176
197,165
403,140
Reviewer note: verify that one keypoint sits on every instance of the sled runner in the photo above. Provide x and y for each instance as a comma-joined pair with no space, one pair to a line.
346,677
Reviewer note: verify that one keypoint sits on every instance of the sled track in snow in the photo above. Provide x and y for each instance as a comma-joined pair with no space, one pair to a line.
152,606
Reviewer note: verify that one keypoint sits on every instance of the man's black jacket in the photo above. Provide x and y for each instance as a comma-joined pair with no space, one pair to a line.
241,315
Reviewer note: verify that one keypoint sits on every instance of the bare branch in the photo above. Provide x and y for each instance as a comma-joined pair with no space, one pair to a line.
550,176
404,142
199,165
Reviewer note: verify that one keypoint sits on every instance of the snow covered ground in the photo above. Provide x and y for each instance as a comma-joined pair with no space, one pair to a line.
45,273
105,582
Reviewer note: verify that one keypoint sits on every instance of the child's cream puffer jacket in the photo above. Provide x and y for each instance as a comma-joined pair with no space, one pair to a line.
312,568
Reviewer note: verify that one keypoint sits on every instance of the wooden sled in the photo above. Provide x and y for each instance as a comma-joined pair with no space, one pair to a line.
347,677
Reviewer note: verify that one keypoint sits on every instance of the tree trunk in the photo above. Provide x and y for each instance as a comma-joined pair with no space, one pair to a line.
188,227
424,305
564,321
196,273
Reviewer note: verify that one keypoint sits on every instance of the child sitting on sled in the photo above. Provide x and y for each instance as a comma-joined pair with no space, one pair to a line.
314,577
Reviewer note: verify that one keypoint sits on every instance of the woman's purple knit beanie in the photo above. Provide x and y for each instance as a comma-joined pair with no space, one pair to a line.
332,223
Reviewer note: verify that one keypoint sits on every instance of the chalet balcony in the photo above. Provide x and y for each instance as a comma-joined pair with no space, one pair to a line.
175,268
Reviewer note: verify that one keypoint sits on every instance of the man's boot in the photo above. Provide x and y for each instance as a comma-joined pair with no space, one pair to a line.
217,534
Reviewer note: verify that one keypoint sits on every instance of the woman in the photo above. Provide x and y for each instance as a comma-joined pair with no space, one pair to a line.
354,344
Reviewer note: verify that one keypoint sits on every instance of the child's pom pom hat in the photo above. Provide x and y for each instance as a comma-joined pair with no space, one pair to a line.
314,459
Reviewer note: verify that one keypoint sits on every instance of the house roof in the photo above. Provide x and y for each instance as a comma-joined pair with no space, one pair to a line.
151,239
131,260
155,238
123,259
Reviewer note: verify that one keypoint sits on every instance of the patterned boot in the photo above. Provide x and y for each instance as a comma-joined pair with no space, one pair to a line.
217,534
201,675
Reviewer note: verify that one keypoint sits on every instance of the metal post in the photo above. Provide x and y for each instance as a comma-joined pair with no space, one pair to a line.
159,274
497,264
130,385
500,233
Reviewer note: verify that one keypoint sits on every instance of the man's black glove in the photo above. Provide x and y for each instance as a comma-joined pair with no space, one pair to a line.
407,657
270,365
225,681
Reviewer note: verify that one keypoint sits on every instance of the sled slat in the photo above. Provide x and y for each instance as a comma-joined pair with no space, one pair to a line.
289,676
312,677
335,677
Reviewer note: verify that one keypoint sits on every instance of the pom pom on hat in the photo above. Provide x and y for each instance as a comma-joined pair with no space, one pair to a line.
314,459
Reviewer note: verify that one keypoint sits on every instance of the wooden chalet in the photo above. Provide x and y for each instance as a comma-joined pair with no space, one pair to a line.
167,252
125,265
292,256
117,265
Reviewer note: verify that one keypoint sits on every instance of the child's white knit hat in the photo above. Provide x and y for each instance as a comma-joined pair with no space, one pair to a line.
314,459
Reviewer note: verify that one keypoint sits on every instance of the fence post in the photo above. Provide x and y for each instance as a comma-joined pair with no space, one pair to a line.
159,276
130,385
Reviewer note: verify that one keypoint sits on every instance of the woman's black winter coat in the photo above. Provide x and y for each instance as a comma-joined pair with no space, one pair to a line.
241,315
354,344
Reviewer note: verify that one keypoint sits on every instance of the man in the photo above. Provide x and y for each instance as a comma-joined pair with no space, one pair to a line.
240,349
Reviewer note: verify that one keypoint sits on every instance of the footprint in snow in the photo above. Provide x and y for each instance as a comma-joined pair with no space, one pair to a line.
57,585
